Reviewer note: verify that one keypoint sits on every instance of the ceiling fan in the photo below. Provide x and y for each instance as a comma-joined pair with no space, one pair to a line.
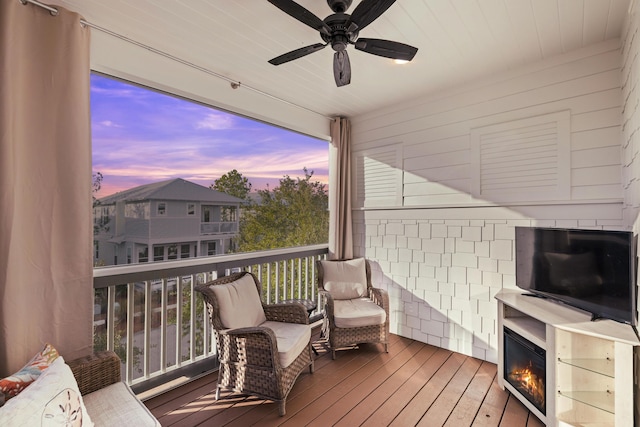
340,30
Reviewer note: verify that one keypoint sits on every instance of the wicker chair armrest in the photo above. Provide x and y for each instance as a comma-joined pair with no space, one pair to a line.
248,331
380,297
255,337
287,313
96,371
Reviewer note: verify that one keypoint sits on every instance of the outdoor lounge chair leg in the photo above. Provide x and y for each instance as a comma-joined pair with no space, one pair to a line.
333,353
281,408
386,348
217,392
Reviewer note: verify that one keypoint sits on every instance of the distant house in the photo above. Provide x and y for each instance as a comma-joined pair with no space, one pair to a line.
163,221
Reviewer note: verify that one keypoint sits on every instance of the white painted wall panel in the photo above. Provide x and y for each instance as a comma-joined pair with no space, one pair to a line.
446,275
631,118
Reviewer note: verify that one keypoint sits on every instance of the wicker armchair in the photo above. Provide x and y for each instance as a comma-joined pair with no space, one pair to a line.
355,311
251,361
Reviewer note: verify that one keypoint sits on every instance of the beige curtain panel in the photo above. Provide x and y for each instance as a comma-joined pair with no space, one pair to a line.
340,222
46,292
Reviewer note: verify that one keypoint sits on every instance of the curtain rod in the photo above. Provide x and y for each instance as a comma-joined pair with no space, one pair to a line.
234,83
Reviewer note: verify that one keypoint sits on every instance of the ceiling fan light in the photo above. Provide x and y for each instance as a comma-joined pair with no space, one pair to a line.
400,61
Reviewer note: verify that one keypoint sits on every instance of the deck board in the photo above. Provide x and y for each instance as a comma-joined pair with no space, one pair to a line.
413,384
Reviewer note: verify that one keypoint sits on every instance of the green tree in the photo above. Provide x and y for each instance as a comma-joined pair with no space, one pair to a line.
293,214
233,184
96,185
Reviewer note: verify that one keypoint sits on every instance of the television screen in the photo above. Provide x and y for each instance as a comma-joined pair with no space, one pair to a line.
593,270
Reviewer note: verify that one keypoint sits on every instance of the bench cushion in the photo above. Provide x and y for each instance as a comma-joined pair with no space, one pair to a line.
353,313
117,405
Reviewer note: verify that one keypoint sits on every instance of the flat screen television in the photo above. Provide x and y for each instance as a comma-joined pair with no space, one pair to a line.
593,270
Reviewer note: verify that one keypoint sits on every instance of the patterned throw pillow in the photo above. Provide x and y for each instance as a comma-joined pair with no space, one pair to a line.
12,385
52,400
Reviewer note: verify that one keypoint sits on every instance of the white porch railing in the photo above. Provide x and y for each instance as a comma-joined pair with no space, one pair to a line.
218,227
150,315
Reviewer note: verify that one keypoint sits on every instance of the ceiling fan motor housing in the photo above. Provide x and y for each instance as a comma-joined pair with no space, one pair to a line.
340,36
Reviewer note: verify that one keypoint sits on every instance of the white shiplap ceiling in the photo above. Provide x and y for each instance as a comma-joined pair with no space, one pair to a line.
459,41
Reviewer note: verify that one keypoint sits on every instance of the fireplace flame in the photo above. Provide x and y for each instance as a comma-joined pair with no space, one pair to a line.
527,381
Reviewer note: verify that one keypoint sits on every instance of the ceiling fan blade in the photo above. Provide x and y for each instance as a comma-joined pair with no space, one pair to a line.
368,11
295,54
301,14
341,68
386,48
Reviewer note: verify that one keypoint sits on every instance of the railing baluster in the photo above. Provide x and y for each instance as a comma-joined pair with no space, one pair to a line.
148,314
206,344
130,330
269,283
111,317
300,280
192,329
163,326
178,324
277,279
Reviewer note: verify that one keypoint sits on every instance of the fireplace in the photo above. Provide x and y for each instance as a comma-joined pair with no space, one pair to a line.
525,368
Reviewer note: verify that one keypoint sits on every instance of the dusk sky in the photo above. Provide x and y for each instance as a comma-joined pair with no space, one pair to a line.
142,136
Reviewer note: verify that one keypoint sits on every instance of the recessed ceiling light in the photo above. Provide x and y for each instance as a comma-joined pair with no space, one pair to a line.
400,61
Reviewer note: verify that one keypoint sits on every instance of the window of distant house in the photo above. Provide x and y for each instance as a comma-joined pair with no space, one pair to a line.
184,251
158,253
211,248
207,214
149,146
143,253
162,209
172,252
138,210
129,255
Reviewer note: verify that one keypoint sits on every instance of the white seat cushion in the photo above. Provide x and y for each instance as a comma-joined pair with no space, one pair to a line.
116,405
353,313
240,305
292,339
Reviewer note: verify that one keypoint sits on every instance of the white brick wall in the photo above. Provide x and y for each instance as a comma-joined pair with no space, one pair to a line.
446,297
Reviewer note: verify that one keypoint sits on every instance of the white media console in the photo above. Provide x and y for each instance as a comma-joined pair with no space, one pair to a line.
591,377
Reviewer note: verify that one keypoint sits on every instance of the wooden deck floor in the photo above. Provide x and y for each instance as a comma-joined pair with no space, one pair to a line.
413,384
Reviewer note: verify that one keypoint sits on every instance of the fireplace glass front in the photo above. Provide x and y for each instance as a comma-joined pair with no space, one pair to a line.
525,368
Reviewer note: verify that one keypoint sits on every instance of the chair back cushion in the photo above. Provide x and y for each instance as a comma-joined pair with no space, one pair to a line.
345,279
239,302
